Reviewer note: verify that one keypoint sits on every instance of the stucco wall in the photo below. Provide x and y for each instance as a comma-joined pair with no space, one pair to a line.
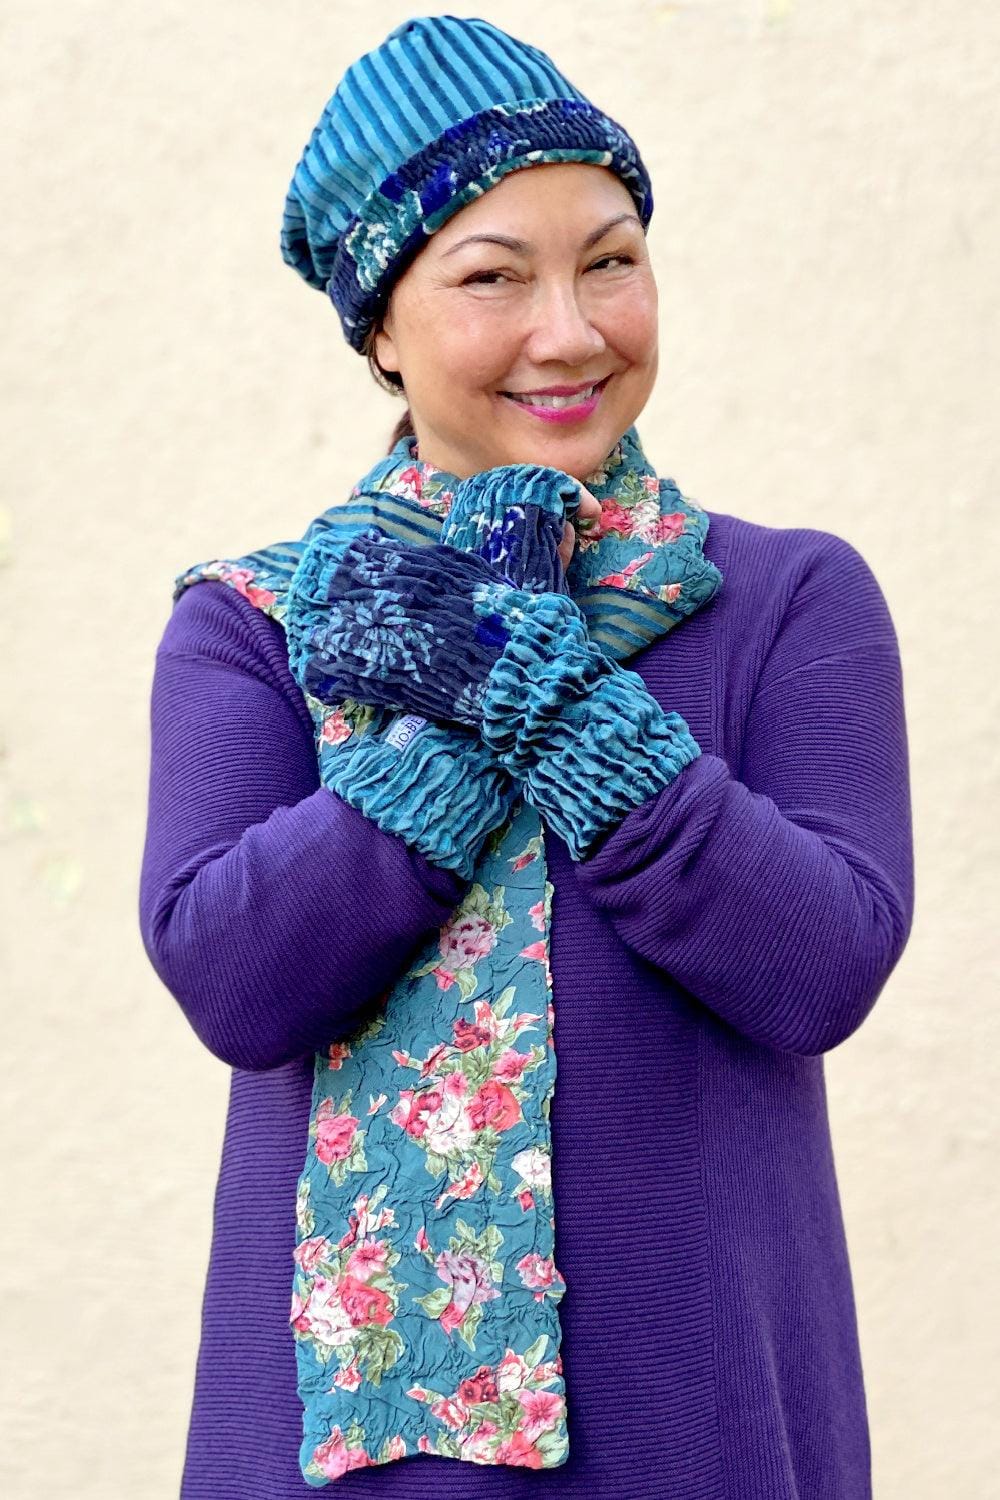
826,245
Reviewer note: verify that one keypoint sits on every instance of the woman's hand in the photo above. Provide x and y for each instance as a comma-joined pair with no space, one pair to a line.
590,511
384,623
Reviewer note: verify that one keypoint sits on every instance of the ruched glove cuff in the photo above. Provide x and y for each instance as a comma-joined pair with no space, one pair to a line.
583,736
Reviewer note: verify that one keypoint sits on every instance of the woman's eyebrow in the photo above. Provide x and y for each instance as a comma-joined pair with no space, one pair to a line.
524,248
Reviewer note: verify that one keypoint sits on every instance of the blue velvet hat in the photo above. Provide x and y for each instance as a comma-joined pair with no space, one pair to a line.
417,128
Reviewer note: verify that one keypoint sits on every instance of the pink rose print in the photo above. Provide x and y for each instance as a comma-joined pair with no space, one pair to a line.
614,517
414,1111
452,1413
465,939
523,860
479,1387
439,1050
669,528
485,1019
466,1187
364,1304
535,950
467,1036
620,580
349,1378
536,1411
334,1133
310,1252
410,483
538,1271
350,1234
241,579
537,915
493,1104
334,1458
510,1065
543,1410
367,1260
338,1053
297,1316
469,1279
519,1451
512,1372
335,729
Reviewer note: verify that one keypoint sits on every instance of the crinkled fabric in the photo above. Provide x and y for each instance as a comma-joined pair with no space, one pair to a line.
425,1297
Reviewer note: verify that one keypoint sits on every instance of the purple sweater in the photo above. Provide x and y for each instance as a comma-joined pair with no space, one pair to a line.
726,935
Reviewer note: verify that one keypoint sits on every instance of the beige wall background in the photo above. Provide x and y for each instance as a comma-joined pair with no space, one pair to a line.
826,239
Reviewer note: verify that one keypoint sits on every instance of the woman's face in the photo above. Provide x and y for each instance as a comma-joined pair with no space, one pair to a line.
467,322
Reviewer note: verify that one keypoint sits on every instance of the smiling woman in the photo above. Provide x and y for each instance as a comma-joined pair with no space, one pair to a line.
435,796
556,315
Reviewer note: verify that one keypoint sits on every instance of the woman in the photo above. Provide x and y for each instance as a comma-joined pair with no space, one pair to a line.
730,887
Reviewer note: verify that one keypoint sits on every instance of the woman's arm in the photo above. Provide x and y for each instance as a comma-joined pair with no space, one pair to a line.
272,910
783,899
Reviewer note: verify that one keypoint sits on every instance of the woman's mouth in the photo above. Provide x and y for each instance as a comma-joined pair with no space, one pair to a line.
560,408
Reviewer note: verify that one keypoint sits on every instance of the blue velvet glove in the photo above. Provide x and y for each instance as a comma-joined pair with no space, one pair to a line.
444,634
436,785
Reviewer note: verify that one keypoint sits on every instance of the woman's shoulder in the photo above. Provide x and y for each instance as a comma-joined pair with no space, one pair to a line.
211,621
788,546
210,616
782,565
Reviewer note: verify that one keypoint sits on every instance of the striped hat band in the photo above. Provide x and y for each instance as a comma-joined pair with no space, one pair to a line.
417,128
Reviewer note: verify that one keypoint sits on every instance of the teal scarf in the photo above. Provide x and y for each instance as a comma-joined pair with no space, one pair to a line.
425,1294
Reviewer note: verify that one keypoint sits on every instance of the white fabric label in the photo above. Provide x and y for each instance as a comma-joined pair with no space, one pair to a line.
404,731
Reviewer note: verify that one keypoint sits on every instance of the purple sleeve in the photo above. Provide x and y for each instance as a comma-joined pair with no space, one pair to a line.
271,909
783,899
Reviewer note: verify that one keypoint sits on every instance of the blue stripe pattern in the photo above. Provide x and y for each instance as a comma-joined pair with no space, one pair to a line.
418,127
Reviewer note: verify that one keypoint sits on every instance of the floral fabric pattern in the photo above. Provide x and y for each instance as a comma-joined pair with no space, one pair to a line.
440,1278
425,1291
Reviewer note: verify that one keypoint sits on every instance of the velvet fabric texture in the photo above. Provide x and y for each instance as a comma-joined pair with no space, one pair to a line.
442,633
445,794
426,122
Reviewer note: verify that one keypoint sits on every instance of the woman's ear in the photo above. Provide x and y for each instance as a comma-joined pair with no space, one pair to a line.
385,347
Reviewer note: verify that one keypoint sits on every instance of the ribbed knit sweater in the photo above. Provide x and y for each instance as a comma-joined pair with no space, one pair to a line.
724,937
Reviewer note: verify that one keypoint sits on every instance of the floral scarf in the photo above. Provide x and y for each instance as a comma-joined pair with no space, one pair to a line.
425,1294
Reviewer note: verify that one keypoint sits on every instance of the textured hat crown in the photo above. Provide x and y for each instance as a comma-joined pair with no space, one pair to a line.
425,122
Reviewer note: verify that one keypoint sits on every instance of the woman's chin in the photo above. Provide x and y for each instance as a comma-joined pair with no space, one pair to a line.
577,454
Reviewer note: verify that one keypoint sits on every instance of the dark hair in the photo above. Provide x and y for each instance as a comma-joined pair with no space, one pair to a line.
391,381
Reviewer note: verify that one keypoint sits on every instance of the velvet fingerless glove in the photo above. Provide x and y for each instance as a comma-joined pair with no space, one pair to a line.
444,634
436,785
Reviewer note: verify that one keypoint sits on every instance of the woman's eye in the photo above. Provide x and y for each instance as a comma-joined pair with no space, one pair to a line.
481,277
626,260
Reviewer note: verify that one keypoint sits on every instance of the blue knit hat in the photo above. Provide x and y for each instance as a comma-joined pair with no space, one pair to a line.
429,120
